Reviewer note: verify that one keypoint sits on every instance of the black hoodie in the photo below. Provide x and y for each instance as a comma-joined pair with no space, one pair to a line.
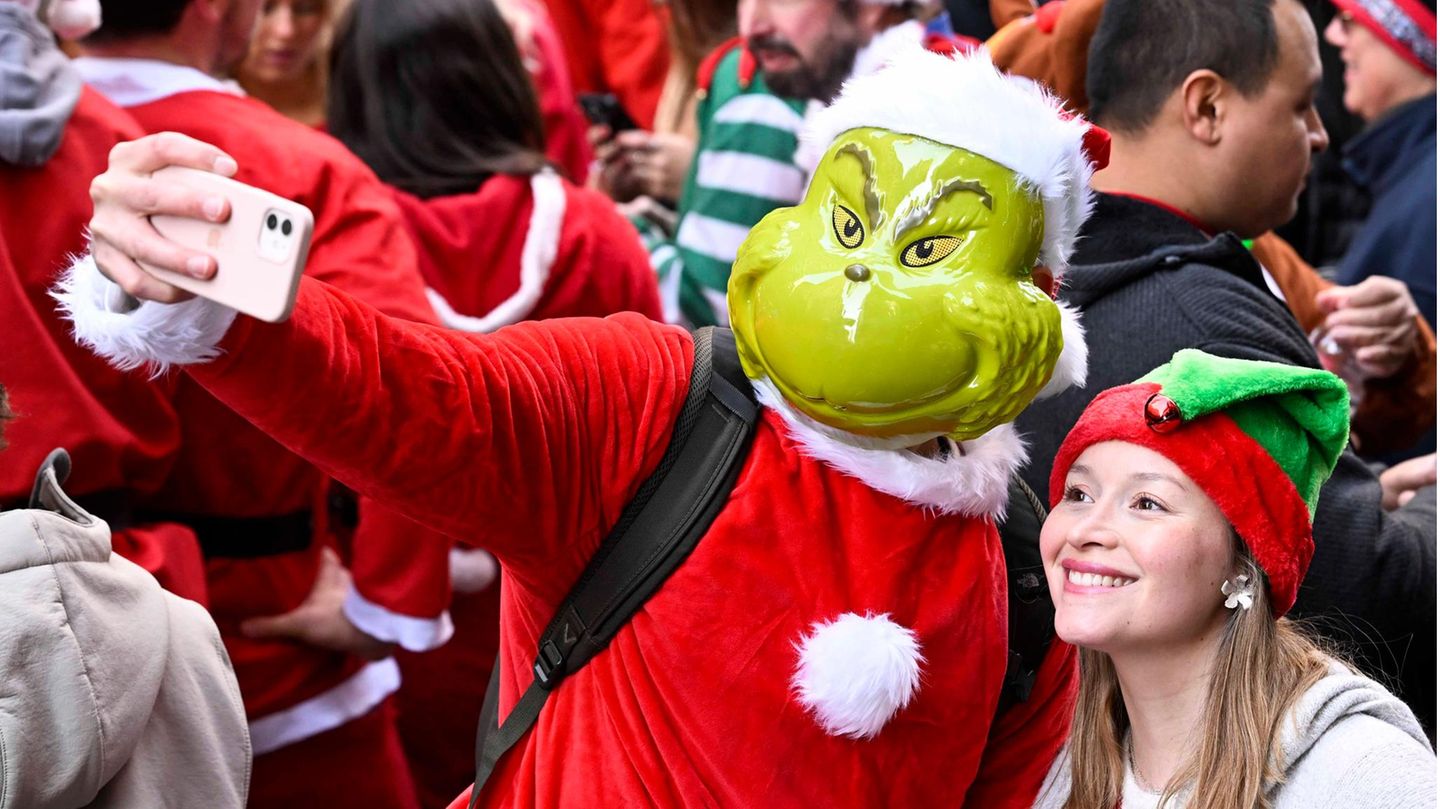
1147,284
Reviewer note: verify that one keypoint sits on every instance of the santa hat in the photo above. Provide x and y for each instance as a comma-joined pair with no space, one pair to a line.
69,19
1259,437
965,102
1407,26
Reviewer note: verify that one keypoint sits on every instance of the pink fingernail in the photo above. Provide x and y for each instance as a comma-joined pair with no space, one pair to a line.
226,165
214,207
197,265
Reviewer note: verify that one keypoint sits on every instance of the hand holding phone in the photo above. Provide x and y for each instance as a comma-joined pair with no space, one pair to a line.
260,251
603,109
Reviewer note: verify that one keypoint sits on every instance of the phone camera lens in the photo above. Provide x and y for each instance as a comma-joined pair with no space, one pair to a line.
285,227
271,222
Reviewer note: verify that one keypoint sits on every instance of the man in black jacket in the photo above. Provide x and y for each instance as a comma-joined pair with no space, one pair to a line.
1210,107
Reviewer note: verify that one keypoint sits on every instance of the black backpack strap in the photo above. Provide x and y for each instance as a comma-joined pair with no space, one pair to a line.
659,528
1031,613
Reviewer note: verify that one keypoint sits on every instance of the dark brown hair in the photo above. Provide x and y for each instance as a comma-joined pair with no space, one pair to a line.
698,27
1143,50
432,95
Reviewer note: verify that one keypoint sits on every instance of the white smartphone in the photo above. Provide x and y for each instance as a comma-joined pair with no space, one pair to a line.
260,249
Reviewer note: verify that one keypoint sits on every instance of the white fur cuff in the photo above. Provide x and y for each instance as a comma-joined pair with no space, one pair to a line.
410,633
154,334
855,673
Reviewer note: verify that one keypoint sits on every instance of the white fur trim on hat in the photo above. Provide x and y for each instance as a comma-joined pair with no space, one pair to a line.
154,334
537,257
1070,369
963,101
855,673
973,481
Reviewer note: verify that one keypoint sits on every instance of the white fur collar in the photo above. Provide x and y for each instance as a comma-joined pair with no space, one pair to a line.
975,484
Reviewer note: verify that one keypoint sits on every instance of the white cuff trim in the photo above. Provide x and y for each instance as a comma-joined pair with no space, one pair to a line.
155,334
349,700
412,634
974,482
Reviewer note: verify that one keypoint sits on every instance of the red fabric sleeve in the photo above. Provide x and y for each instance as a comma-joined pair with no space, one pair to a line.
517,438
1025,740
170,553
399,564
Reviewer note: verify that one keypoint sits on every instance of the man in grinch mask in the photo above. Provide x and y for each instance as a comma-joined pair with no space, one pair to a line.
838,636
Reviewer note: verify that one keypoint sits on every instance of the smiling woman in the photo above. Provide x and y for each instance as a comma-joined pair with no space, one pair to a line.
1179,536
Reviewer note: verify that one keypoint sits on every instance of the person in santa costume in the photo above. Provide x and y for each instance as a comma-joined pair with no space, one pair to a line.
1179,534
838,636
121,429
455,129
310,638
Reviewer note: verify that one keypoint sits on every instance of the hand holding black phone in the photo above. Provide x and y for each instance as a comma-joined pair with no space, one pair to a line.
603,109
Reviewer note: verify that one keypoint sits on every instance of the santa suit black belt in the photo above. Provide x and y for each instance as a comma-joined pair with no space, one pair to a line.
220,537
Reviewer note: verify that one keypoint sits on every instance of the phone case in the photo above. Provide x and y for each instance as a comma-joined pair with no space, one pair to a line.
260,250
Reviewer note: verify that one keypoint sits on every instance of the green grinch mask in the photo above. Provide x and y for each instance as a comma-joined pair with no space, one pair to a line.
896,299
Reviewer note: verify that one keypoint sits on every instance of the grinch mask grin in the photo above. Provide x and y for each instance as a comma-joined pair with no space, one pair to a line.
896,299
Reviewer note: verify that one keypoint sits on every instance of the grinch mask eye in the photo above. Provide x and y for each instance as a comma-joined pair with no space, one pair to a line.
924,252
848,228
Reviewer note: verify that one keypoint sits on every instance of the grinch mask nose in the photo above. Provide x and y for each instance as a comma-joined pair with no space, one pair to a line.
857,273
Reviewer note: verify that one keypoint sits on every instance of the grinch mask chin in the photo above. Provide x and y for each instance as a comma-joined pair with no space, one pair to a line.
897,297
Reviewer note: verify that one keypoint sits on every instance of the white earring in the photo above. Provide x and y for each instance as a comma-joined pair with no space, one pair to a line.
1238,592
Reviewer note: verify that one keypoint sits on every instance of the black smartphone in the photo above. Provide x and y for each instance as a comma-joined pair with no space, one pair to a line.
603,109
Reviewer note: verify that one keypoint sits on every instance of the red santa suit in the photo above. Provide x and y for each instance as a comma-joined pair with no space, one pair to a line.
545,58
520,248
616,46
836,639
121,429
252,500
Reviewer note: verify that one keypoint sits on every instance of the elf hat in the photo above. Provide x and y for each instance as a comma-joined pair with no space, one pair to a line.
1259,437
965,102
1407,26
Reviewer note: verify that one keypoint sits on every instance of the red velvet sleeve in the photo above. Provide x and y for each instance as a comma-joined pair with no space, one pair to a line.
1025,740
527,441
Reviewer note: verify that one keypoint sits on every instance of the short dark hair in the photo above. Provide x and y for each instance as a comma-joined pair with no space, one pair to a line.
432,95
125,19
1144,49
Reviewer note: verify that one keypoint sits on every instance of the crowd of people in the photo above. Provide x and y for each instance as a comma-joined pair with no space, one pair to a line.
968,252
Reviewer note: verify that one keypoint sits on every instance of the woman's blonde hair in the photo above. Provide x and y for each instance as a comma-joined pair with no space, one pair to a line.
1263,666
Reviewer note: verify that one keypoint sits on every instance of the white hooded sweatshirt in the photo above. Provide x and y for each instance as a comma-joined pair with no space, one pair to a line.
114,694
1347,744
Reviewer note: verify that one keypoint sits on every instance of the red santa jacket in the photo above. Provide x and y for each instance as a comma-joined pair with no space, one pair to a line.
528,248
227,469
734,684
121,429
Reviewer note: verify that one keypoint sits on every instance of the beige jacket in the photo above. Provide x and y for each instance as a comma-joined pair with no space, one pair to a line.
113,692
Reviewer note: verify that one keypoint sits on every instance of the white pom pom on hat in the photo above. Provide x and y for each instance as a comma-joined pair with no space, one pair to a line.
69,19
